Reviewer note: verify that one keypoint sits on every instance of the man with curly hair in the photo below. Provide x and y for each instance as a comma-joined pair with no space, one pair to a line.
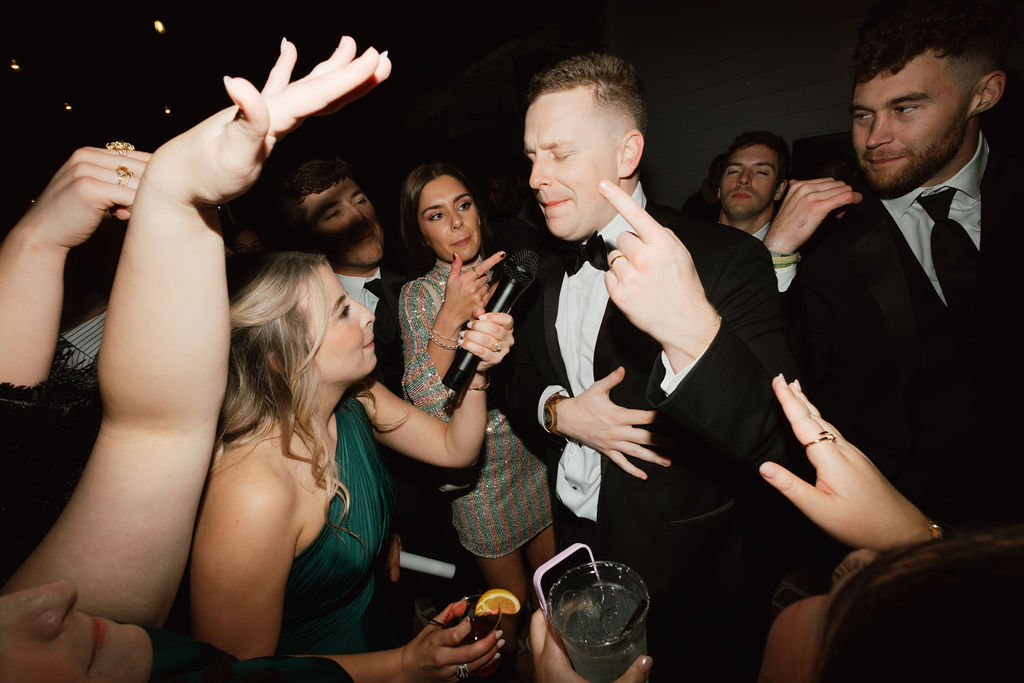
902,304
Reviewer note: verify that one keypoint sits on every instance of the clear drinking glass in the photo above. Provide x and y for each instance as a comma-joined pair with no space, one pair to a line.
600,611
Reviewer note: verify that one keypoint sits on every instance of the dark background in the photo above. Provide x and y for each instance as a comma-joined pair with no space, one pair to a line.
118,74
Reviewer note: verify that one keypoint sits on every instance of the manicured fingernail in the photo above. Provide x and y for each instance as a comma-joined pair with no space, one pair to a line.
501,643
383,56
499,633
645,663
502,254
767,470
469,325
284,41
796,383
496,655
460,341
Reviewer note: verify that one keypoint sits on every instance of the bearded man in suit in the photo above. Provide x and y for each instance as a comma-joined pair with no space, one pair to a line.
900,307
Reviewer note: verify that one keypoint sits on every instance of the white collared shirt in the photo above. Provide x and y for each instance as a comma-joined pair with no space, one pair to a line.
915,223
581,305
355,287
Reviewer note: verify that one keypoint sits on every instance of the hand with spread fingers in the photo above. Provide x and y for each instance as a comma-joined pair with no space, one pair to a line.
806,204
225,153
551,663
435,654
488,336
850,500
652,279
594,420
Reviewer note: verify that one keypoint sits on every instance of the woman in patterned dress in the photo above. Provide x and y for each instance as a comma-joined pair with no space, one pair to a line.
509,507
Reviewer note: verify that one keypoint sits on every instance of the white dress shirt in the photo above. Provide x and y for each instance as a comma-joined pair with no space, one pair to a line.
783,276
355,287
581,305
915,223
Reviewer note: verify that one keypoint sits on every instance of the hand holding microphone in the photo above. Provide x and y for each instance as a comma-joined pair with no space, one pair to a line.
520,269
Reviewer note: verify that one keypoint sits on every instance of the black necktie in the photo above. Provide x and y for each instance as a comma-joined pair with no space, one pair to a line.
953,253
593,250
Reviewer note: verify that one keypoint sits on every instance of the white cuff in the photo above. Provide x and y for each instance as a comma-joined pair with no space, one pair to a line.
544,396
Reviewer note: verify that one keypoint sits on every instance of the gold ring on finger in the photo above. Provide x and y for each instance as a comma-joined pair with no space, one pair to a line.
617,257
120,147
497,347
123,175
822,436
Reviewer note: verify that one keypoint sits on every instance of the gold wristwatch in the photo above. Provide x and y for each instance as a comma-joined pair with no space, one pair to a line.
550,419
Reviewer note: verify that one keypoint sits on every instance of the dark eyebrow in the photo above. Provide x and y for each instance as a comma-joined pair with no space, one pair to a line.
338,303
439,206
756,163
894,102
322,209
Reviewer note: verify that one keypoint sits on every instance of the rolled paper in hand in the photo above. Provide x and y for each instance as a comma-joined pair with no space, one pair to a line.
418,563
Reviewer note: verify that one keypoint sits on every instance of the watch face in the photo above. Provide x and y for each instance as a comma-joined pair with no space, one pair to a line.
547,418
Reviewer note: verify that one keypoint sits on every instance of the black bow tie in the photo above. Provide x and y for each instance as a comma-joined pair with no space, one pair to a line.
593,250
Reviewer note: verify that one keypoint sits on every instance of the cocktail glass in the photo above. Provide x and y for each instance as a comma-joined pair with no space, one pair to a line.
600,611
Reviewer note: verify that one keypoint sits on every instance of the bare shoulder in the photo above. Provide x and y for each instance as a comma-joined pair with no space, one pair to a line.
252,486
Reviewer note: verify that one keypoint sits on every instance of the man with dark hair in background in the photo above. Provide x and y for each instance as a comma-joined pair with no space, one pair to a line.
329,213
903,305
753,179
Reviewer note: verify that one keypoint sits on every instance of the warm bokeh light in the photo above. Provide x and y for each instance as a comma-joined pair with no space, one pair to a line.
67,106
159,26
15,66
167,110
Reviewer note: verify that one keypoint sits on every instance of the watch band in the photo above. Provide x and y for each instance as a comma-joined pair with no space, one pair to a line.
550,418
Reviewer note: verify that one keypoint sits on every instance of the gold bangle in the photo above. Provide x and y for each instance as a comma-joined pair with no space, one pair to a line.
450,347
434,332
482,387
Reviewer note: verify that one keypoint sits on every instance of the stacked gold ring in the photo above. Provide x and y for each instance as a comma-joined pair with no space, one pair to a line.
120,147
123,175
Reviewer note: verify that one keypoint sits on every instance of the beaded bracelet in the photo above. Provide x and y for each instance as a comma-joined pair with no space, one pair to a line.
450,347
785,260
434,332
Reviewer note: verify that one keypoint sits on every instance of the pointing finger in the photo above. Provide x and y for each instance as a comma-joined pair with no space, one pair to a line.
646,227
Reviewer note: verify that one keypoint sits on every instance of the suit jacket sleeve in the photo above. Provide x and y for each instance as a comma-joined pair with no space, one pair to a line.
727,397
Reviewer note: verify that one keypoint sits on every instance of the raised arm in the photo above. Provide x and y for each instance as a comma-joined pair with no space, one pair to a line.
124,537
88,185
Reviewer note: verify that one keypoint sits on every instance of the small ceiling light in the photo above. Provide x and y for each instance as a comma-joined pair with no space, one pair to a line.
67,106
167,110
159,26
15,66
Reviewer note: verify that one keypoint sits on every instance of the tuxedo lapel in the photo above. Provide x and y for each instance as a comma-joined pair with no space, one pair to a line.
552,289
873,254
384,327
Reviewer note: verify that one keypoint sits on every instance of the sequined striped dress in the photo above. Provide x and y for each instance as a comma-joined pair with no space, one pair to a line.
509,504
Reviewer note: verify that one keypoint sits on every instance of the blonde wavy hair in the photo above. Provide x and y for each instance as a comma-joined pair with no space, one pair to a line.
272,380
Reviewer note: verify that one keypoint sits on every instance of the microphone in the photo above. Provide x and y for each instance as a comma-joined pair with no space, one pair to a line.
519,270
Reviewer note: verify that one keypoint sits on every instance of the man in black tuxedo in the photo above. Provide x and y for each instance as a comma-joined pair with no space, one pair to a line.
681,407
901,307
